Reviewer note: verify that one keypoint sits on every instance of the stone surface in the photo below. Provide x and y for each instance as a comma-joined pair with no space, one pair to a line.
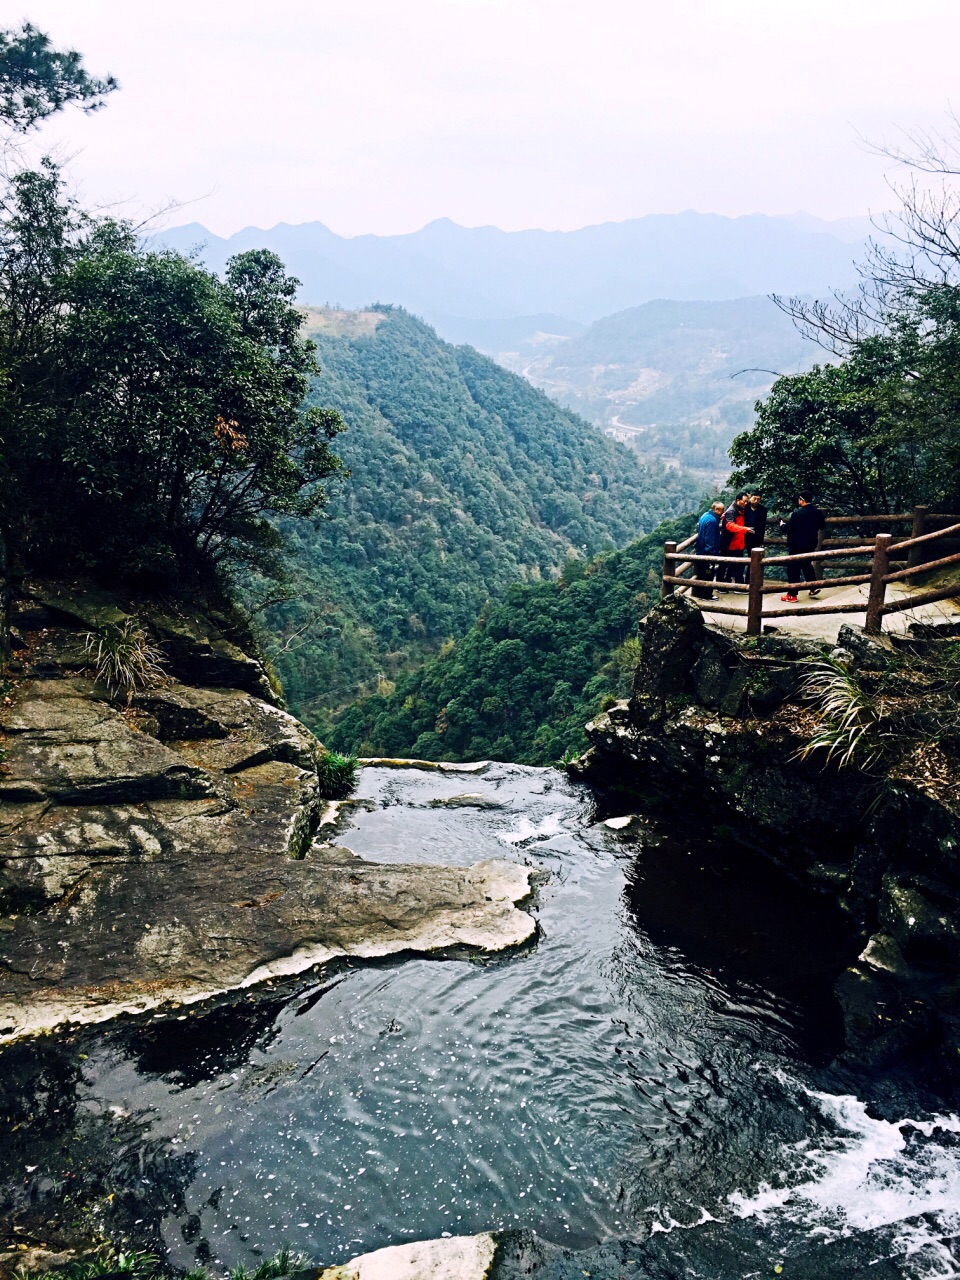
716,725
156,853
870,653
454,1258
671,645
468,800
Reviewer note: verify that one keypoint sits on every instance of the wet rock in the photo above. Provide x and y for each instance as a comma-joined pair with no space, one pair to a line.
197,653
84,605
155,854
237,731
884,1017
184,929
711,677
67,746
469,800
438,766
924,924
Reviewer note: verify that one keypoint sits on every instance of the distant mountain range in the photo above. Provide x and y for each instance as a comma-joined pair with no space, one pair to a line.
457,276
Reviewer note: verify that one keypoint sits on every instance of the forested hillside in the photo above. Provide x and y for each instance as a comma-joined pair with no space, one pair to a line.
675,380
526,678
464,479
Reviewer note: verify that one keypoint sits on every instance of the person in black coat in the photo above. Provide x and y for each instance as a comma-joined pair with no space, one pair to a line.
803,534
756,515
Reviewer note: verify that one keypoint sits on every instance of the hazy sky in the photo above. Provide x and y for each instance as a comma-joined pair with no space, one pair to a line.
379,115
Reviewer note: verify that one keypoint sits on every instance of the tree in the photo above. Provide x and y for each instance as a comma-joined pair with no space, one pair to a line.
151,414
37,81
168,418
877,432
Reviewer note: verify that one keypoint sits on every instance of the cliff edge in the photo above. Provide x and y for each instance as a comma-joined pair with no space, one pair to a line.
715,727
169,846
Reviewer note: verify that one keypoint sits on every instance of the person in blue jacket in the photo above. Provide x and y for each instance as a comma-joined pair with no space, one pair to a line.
708,544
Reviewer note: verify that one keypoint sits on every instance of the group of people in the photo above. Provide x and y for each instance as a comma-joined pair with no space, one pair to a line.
735,531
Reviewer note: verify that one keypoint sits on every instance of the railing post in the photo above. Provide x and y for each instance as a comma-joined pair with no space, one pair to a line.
669,567
879,568
915,555
755,594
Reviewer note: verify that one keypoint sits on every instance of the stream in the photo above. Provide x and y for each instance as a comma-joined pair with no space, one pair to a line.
651,1069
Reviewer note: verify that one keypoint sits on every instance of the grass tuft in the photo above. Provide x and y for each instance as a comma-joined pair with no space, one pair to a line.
283,1263
106,1261
125,658
849,719
338,775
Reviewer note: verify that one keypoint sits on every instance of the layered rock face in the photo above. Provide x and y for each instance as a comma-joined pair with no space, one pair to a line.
714,728
171,848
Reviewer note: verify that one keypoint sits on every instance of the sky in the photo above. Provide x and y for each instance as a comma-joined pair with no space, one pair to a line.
381,115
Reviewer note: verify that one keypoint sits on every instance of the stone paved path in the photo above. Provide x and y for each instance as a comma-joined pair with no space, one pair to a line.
827,625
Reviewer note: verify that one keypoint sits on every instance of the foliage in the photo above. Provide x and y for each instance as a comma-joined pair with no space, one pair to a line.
146,1266
36,80
283,1263
873,434
151,414
464,479
525,679
337,774
106,1261
849,718
125,659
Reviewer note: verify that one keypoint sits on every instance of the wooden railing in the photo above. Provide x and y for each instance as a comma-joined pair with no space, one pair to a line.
881,548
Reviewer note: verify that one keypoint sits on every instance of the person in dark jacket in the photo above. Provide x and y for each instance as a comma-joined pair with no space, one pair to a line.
803,534
756,514
708,544
733,540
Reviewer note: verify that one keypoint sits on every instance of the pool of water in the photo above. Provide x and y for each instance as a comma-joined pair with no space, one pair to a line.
653,1061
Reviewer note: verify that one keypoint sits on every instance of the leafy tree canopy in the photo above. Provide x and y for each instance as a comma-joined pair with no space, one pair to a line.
526,678
36,80
874,433
464,479
151,415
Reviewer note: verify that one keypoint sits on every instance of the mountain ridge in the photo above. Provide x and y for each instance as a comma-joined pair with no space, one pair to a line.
444,271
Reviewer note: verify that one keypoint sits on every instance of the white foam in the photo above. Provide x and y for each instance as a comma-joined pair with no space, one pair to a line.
869,1176
550,826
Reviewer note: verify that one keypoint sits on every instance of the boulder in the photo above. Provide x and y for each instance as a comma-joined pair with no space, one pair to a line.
198,653
870,653
69,747
672,640
924,923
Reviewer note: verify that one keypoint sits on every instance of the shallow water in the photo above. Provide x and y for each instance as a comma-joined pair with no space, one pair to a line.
628,1074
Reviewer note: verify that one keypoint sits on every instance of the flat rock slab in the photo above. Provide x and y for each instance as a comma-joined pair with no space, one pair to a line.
454,1258
155,853
128,938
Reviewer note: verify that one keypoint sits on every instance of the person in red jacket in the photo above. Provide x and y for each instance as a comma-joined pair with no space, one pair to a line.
733,539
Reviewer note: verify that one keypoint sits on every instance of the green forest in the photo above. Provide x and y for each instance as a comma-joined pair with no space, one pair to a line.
463,480
530,673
